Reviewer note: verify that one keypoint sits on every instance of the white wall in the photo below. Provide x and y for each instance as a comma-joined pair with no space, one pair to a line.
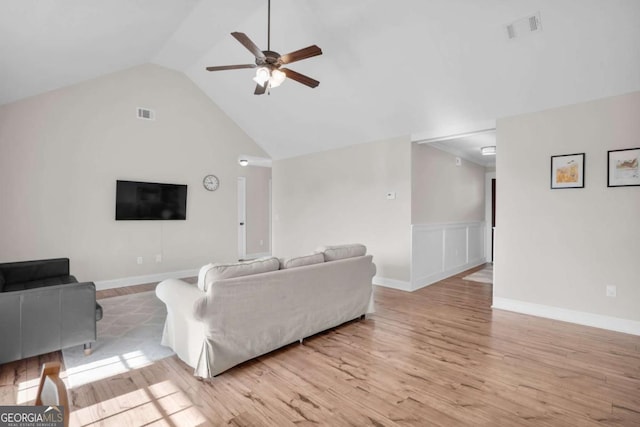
557,249
443,192
62,152
339,196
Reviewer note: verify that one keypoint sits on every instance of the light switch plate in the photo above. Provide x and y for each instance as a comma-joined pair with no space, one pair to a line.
611,291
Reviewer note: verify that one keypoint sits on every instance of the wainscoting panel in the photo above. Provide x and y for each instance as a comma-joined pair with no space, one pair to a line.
476,245
455,247
427,246
439,251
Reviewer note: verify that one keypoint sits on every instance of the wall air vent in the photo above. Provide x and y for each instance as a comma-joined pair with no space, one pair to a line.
146,113
524,26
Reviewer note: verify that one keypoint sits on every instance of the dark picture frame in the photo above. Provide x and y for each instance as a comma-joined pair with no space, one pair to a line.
623,167
567,171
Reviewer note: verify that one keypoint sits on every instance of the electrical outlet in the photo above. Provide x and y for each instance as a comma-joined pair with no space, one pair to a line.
458,161
611,291
159,258
139,260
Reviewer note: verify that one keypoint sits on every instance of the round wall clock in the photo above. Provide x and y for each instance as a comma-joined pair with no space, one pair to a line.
211,182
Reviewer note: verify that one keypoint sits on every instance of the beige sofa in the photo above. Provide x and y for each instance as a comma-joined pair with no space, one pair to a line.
225,320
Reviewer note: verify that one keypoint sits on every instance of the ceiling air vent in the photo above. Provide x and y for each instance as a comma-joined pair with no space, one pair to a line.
524,26
146,113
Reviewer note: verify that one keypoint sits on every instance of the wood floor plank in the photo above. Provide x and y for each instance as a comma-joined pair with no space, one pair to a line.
439,356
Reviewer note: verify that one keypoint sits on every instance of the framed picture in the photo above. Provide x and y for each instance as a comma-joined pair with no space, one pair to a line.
623,167
567,171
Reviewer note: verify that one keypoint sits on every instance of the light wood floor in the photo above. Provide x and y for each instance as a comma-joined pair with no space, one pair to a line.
439,356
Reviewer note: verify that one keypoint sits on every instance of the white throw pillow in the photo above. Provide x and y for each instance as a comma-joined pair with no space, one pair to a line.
213,272
333,253
300,261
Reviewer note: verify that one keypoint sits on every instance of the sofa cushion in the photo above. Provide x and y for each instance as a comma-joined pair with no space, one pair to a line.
300,261
1,281
213,272
336,252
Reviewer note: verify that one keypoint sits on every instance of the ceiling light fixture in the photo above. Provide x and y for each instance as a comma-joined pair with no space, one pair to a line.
269,77
243,162
277,77
262,76
489,150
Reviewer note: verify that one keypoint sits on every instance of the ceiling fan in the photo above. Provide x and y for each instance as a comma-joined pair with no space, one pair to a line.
270,72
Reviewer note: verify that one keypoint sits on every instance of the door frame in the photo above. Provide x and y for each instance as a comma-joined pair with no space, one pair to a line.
488,215
242,217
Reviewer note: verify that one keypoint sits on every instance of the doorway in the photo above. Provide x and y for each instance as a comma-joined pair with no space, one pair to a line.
254,212
493,215
490,214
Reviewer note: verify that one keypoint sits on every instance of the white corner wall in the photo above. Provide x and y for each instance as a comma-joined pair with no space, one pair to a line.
60,156
339,196
447,214
556,250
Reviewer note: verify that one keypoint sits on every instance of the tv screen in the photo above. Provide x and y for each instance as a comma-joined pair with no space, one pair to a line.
150,201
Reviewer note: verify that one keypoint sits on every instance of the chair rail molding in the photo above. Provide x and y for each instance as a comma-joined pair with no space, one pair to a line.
442,250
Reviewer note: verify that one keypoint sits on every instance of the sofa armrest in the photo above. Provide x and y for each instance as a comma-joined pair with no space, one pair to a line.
41,320
26,271
182,297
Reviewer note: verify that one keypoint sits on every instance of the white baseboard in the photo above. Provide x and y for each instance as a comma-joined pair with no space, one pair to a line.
101,285
392,283
421,282
572,316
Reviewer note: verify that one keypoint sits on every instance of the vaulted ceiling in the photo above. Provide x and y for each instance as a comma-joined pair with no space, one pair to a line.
389,68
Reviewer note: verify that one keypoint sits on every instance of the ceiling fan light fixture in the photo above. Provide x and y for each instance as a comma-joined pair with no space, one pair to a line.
262,76
489,150
277,77
268,62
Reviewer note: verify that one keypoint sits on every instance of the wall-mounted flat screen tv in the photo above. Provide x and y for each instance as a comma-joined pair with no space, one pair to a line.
150,201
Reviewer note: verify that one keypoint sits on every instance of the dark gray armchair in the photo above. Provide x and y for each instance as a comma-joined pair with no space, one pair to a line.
43,308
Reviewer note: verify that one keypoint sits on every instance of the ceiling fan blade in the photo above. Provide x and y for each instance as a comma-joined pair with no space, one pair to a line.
260,90
299,55
300,78
231,67
246,42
